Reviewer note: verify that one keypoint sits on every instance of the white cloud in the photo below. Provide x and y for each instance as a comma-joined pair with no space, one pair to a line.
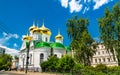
84,1
83,5
15,45
64,3
14,36
7,37
4,34
89,1
75,6
86,9
10,51
99,3
4,41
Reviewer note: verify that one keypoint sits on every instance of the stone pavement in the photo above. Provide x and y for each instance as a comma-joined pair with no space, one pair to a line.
31,73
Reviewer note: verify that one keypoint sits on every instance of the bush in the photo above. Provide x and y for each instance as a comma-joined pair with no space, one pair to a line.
101,67
65,64
77,68
50,64
44,66
5,61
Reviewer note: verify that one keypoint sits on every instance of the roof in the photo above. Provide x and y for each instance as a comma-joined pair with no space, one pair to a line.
38,44
41,44
57,45
68,48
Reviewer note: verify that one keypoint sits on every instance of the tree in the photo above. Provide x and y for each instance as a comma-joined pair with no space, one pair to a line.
5,61
66,63
16,57
109,27
81,40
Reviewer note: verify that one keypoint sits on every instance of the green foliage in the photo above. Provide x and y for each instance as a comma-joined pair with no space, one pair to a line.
66,63
44,65
77,29
101,67
50,64
78,66
109,28
16,57
89,68
5,61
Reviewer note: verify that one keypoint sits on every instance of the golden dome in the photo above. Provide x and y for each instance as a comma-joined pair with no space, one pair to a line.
45,30
36,30
49,33
59,36
26,37
32,27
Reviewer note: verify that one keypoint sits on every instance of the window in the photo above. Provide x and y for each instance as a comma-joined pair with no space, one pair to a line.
55,55
99,60
102,46
103,59
95,60
98,53
114,59
95,53
46,39
30,58
98,47
108,59
106,52
102,52
41,57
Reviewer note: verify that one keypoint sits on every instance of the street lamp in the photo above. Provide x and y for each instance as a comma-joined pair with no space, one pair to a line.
28,39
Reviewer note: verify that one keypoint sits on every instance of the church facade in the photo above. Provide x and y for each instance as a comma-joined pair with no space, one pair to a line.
40,47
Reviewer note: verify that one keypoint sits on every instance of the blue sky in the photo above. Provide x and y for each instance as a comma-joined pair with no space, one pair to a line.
16,16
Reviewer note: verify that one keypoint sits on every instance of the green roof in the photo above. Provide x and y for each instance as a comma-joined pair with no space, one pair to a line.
68,48
41,44
57,45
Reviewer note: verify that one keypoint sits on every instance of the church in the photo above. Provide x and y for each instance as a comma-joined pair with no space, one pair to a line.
40,47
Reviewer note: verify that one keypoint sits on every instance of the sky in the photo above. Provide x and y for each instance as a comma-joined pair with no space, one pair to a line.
16,16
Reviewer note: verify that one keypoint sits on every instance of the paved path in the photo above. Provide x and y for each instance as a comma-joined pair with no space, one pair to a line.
23,73
9,73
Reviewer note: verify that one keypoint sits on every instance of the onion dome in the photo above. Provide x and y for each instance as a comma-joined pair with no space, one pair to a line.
45,30
26,37
57,45
59,36
32,27
41,44
36,30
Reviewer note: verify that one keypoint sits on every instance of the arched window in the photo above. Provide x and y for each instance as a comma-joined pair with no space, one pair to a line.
55,55
30,58
46,39
41,57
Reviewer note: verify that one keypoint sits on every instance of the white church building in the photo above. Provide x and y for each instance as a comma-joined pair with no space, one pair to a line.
40,47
